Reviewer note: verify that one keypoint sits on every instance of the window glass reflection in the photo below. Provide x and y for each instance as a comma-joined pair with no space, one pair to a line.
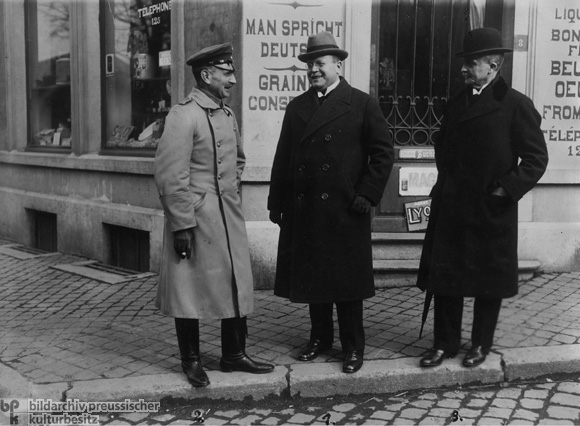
49,70
137,72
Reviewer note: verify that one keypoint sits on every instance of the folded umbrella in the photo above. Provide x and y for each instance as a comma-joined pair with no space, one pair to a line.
427,304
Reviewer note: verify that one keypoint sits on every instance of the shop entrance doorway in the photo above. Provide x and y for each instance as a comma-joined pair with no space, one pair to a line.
415,72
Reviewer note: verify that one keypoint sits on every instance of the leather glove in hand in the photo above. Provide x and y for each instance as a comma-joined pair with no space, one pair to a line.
183,242
276,216
360,205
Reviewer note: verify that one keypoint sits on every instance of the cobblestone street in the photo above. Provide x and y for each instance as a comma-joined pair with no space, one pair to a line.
67,336
545,402
58,326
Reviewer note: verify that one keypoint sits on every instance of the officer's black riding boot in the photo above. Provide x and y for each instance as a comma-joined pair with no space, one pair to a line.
234,357
187,331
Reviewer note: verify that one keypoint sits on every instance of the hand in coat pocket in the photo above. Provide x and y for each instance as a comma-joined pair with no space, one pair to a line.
498,203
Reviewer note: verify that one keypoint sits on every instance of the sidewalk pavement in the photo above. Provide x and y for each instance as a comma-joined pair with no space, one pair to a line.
65,335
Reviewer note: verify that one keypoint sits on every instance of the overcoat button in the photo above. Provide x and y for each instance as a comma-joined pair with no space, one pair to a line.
300,196
210,114
324,196
301,168
219,144
325,167
327,137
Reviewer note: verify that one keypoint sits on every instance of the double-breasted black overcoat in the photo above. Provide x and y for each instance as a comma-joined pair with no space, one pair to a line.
470,246
326,155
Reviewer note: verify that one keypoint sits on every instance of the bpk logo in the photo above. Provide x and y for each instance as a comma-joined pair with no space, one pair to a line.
13,411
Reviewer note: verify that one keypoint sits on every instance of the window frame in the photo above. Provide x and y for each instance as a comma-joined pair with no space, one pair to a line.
28,10
176,6
85,95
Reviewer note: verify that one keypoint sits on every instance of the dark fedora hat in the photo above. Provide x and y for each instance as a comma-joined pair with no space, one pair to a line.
322,44
482,41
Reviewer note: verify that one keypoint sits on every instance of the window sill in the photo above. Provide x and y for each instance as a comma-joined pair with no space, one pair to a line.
48,150
120,152
93,162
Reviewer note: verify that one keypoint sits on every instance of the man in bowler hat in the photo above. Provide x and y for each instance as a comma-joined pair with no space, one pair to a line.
332,163
205,271
489,153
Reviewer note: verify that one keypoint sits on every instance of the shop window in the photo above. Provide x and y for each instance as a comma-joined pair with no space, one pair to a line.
137,62
49,70
129,248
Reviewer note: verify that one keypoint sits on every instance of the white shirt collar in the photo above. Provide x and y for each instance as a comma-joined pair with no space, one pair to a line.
329,89
478,91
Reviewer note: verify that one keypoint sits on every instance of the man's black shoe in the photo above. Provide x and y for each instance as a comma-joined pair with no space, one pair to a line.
234,357
353,361
435,358
196,376
475,356
312,350
245,364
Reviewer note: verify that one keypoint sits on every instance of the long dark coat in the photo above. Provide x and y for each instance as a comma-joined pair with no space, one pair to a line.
471,240
325,156
198,169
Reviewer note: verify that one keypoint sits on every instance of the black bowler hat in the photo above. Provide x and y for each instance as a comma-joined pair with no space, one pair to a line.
482,41
322,44
219,55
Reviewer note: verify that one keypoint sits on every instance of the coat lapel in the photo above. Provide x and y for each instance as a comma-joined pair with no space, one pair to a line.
490,101
315,116
456,108
485,105
308,106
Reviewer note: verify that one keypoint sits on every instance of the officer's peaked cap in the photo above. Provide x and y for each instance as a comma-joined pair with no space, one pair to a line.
219,55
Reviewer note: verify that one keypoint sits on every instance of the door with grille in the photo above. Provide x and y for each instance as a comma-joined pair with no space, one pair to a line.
415,73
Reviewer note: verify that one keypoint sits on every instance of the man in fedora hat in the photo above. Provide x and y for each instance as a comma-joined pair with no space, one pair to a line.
332,163
205,270
489,153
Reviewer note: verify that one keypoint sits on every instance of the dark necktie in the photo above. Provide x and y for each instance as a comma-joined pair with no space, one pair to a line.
473,98
321,99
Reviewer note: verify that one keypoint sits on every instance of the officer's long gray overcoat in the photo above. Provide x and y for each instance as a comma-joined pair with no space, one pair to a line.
198,168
